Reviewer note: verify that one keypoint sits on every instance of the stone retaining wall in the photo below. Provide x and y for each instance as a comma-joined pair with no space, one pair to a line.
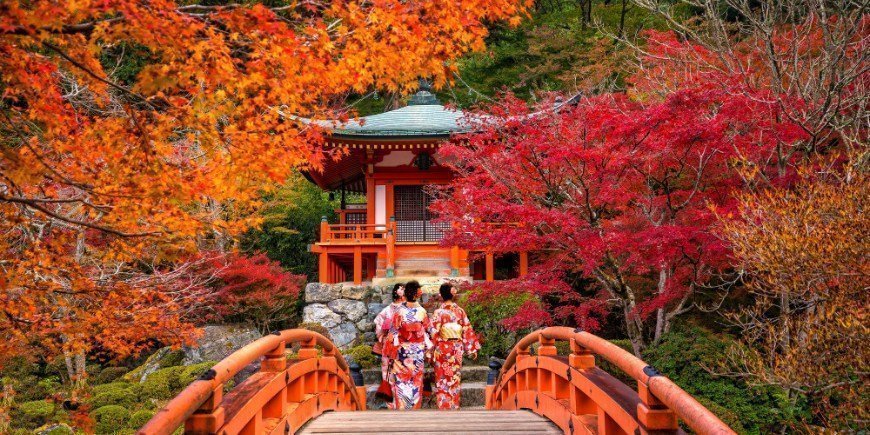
348,311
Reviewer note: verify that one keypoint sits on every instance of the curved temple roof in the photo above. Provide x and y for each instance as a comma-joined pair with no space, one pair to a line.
423,116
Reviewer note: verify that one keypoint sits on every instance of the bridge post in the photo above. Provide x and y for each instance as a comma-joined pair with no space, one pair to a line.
548,346
652,414
358,382
307,350
209,417
491,379
274,360
580,358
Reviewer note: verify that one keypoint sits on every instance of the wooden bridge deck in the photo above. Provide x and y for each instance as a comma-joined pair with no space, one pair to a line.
431,422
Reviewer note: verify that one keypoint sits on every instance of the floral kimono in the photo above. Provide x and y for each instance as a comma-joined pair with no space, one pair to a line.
410,326
453,337
383,324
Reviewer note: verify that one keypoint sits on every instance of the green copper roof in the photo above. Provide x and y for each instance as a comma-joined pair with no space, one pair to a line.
423,116
412,120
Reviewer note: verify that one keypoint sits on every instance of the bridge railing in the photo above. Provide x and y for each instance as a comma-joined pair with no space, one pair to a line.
281,397
581,398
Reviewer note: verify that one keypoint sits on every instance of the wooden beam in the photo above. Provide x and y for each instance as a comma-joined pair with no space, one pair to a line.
490,267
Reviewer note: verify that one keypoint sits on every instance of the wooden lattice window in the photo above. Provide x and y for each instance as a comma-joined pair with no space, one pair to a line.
413,218
355,218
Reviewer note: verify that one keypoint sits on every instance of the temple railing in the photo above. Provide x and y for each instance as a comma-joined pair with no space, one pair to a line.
581,398
356,234
281,397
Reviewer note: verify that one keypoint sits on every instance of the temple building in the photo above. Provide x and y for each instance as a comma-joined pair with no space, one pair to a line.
388,159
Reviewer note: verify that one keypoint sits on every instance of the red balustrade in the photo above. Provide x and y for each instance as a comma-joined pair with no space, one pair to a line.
281,397
581,398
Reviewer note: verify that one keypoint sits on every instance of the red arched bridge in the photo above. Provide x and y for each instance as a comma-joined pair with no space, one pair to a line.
534,391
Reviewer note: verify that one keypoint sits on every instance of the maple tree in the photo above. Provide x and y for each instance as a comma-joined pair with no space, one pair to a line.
803,252
256,290
138,133
623,190
612,189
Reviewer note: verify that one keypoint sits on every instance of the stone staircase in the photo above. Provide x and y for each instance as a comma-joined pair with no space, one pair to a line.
421,268
473,388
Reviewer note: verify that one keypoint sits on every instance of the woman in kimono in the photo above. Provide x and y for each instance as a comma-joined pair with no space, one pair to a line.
410,326
383,324
453,337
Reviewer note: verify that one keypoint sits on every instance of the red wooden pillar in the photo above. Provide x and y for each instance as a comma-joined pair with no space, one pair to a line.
490,266
371,266
323,268
357,265
325,236
370,199
391,247
524,263
454,261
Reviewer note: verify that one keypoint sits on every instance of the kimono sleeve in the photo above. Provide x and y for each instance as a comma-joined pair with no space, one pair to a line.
469,337
435,325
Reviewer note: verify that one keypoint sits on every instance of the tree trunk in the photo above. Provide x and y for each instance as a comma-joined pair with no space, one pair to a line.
589,11
622,18
660,313
76,367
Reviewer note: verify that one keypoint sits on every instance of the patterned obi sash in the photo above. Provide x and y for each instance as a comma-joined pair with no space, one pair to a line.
451,331
412,333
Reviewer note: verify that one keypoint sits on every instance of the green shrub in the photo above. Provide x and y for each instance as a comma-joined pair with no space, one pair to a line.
110,419
33,414
686,354
139,418
55,429
161,384
362,355
486,316
123,398
172,359
193,372
110,374
111,387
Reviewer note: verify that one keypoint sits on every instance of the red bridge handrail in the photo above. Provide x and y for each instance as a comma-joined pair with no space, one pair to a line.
695,415
192,398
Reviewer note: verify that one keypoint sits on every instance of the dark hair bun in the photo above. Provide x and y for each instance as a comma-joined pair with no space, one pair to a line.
446,291
412,290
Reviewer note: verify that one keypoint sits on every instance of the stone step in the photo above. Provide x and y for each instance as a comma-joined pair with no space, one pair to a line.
473,395
372,376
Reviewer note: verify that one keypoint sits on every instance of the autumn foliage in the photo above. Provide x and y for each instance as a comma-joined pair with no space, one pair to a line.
618,195
805,256
256,290
135,134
